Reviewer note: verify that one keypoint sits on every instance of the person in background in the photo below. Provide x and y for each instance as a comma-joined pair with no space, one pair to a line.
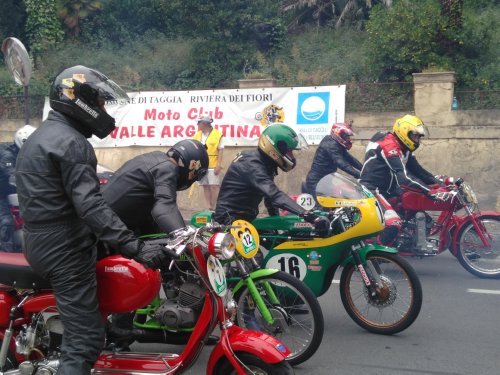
250,178
332,154
214,141
65,214
391,167
8,156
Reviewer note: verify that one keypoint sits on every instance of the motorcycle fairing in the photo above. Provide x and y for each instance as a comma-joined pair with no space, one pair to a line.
264,346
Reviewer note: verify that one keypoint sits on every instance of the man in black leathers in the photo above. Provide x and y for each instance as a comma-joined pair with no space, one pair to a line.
250,178
65,214
143,192
332,154
8,156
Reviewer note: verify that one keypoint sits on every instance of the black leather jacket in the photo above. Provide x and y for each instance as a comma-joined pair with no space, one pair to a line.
249,178
143,192
331,155
57,183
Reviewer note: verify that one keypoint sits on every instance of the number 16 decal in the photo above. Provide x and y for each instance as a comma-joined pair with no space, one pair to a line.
289,263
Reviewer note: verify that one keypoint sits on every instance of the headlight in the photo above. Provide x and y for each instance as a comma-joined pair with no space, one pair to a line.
469,194
222,245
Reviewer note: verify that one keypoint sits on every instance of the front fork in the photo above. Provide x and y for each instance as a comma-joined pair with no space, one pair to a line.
369,273
256,296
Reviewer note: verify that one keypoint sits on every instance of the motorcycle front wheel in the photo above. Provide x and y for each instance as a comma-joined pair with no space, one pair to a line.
297,316
254,365
480,260
398,298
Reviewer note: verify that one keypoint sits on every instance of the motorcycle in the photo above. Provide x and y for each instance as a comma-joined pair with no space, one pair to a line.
269,300
380,290
31,330
473,237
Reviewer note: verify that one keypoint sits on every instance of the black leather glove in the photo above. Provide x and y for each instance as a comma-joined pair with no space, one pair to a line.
321,223
152,256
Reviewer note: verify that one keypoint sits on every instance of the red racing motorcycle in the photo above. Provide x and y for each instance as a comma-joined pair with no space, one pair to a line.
31,330
454,222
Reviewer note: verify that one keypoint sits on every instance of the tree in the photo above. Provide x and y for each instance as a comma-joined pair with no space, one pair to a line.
72,12
43,29
404,38
337,11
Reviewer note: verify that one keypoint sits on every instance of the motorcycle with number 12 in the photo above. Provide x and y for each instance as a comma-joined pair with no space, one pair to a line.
31,330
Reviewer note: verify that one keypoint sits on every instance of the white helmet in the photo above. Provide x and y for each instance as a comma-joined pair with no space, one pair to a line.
22,135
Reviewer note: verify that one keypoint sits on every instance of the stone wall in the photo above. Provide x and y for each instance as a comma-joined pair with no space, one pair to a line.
461,143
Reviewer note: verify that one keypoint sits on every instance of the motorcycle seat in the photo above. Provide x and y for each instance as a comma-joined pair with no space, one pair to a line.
15,271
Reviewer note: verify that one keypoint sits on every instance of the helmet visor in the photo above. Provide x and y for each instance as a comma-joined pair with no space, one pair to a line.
105,95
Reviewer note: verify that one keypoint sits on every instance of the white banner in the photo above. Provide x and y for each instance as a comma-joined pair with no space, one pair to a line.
164,118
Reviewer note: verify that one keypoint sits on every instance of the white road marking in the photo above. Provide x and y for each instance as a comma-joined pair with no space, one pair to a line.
335,281
484,291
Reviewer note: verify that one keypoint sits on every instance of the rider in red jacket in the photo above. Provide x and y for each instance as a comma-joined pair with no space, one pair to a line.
390,167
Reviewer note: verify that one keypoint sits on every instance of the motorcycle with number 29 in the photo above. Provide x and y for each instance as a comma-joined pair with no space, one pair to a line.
31,329
380,290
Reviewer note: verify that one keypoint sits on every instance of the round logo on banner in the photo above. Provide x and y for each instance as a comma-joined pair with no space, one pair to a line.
216,275
247,238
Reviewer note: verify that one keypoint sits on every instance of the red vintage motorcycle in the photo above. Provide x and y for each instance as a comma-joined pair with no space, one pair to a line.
31,331
430,227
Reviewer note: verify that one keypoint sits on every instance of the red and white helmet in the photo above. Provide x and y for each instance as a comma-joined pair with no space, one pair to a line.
342,133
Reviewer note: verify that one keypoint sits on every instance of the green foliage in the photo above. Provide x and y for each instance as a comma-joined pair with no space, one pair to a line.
12,20
122,21
403,39
322,57
43,29
72,12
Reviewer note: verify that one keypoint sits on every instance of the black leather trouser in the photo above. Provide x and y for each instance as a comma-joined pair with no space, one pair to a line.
65,254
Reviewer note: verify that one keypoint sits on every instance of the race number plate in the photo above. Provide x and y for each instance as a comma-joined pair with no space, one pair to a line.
247,238
216,275
306,201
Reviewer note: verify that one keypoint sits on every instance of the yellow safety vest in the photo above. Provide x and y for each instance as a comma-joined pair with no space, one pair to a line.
212,144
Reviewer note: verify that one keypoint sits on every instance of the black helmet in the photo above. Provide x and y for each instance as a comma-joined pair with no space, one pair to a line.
191,156
81,93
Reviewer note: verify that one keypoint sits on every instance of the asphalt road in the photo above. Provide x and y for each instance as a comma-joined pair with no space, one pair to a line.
456,333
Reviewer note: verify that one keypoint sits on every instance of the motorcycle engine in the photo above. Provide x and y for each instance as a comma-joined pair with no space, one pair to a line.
183,310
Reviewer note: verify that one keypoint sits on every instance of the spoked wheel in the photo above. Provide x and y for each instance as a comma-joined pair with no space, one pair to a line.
480,260
253,365
297,316
398,298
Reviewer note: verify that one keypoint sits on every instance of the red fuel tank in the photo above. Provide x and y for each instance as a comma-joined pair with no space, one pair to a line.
7,300
124,285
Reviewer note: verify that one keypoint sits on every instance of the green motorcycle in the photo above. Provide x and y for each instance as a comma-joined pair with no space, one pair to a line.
379,290
268,300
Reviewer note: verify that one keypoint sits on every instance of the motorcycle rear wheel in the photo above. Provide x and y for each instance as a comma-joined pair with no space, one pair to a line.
298,319
397,303
481,261
255,364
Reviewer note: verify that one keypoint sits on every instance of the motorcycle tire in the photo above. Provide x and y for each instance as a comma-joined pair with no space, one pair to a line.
298,319
480,261
255,365
389,311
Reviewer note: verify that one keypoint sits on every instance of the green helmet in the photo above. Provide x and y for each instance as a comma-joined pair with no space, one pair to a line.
278,141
